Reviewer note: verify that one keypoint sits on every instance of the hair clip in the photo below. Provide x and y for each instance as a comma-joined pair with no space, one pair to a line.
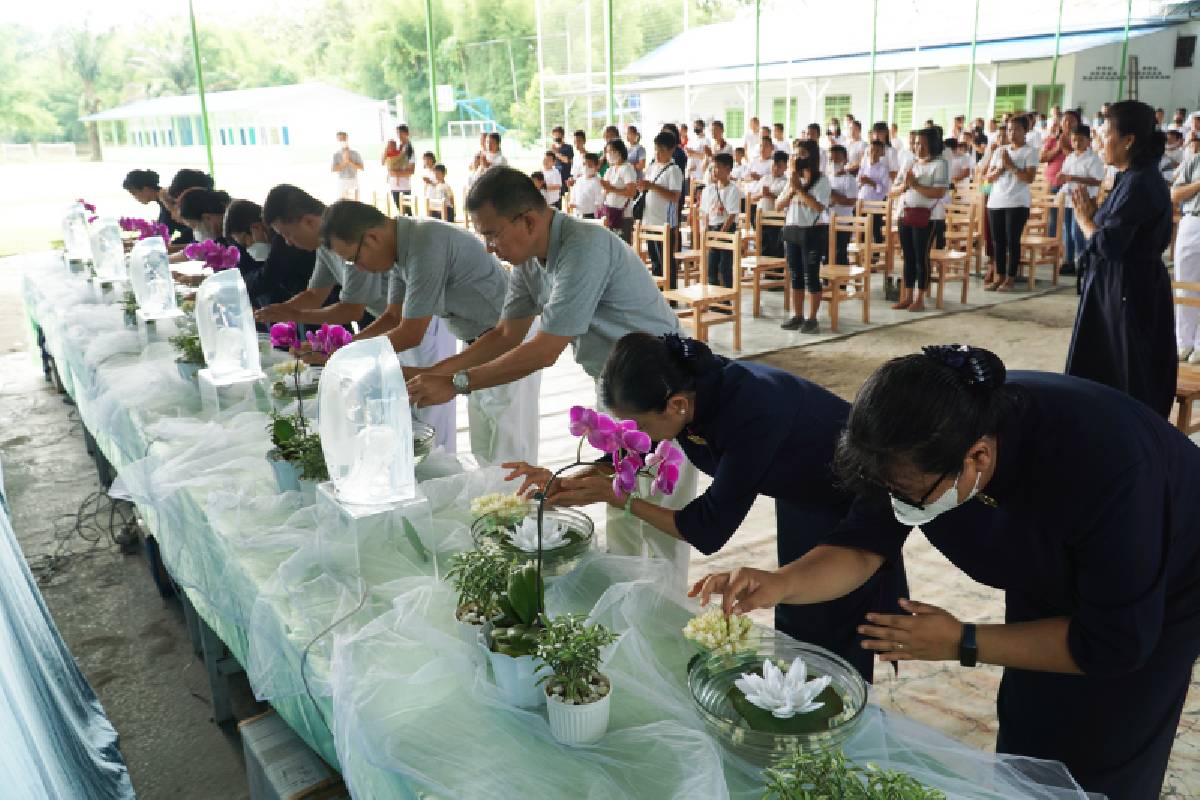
967,363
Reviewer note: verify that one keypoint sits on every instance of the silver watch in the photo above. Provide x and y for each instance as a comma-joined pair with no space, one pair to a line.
462,383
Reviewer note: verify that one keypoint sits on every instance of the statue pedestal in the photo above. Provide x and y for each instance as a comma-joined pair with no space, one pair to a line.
151,328
218,393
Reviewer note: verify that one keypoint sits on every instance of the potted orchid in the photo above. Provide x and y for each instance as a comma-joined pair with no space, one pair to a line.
481,577
511,640
186,341
129,307
578,694
319,345
215,256
284,336
296,457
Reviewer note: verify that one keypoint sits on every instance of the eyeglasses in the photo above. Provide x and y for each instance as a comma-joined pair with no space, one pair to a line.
490,239
919,504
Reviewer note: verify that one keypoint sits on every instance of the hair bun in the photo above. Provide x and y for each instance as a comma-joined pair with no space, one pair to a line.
694,355
974,366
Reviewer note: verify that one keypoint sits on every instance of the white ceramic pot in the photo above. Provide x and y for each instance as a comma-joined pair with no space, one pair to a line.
576,725
516,678
287,478
470,633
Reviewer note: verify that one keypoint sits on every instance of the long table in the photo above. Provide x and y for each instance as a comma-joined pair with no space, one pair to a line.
360,655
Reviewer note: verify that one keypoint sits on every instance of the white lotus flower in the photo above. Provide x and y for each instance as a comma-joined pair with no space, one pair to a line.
525,537
784,696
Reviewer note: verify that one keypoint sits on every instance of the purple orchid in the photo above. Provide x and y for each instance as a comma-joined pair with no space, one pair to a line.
600,429
329,339
630,438
669,460
214,255
625,474
284,335
144,228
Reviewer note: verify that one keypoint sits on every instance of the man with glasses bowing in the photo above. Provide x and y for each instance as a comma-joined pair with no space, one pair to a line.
587,289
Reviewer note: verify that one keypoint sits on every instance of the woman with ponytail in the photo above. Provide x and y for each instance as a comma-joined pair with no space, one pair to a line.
1078,501
757,431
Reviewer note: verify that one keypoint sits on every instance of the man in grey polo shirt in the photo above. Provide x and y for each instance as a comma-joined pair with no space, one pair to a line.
437,270
588,289
296,216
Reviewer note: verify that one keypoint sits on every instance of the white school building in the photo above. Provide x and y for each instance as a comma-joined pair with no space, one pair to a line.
282,123
698,74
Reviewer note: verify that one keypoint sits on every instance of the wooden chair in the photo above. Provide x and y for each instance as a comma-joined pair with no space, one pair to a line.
749,232
1044,245
768,272
707,305
435,208
1187,384
691,259
661,235
882,255
846,281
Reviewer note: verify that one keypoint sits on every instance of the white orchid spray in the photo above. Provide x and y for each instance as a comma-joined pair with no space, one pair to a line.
784,695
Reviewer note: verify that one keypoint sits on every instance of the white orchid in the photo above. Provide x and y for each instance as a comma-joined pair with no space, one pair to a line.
525,536
784,696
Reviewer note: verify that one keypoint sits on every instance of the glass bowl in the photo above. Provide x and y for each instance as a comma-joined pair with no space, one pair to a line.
423,439
712,675
495,529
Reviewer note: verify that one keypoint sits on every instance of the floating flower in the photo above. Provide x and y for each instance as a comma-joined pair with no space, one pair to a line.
284,335
525,536
784,696
600,429
718,633
329,339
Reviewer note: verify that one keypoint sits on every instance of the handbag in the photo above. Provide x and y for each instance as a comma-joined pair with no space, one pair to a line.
638,210
915,217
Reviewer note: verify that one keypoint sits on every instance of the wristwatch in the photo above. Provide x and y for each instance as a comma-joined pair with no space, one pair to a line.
968,650
462,383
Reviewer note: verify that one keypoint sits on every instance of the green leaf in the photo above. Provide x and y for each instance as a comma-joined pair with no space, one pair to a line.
525,593
410,533
760,719
282,431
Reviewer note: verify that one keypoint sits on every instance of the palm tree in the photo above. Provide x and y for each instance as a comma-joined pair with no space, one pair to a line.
83,54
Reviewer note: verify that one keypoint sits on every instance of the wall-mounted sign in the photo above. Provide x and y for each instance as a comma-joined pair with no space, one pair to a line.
1106,73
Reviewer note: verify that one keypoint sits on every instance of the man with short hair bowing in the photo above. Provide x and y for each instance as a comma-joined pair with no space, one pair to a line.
435,269
585,286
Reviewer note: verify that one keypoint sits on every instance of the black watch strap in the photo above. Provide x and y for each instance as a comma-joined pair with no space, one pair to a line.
968,650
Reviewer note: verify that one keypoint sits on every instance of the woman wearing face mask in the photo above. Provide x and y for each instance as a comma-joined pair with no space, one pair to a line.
1078,501
279,271
203,210
757,431
142,184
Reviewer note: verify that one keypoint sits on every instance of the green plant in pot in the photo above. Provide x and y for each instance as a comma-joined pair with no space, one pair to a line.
186,341
800,776
480,577
513,637
129,306
297,455
578,694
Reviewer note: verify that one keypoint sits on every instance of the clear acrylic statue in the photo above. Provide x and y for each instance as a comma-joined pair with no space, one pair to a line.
76,241
150,273
108,252
225,322
365,425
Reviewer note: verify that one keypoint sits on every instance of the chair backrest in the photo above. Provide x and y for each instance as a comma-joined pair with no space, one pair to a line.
435,207
732,242
768,219
857,227
1186,286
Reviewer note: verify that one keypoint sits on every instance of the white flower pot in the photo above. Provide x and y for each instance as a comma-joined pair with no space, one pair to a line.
576,725
468,632
516,678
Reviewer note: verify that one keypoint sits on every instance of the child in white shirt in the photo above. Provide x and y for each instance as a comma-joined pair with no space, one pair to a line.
439,190
874,180
428,162
841,199
552,178
741,169
587,193
763,194
719,204
1083,167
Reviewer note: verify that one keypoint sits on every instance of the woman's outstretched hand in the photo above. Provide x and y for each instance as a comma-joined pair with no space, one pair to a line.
534,479
742,591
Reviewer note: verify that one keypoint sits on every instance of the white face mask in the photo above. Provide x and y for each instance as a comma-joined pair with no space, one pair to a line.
259,251
202,233
913,516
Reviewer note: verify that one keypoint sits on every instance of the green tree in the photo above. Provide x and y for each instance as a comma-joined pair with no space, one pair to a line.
83,55
23,113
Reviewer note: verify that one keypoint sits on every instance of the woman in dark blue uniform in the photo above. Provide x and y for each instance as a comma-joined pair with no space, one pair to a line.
1081,503
757,431
142,184
1124,330
277,271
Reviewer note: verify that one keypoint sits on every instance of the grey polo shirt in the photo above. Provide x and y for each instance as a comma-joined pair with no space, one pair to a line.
444,271
1189,172
592,288
368,288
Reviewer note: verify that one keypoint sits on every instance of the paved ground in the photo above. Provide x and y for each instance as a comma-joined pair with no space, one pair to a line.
133,647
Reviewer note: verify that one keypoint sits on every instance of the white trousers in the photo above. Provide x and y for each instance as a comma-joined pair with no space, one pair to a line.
1187,268
439,343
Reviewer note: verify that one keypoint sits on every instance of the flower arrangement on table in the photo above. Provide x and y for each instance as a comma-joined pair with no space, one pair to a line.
296,442
316,347
144,228
717,633
186,342
215,256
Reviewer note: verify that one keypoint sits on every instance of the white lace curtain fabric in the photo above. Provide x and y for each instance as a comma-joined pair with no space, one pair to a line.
389,692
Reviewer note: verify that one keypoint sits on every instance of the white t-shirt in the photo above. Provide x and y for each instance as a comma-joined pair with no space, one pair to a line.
855,151
847,186
773,184
781,146
1085,165
1034,138
658,208
587,194
436,191
696,158
760,167
553,190
718,204
931,173
496,159
904,160
620,177
753,140
800,214
1008,191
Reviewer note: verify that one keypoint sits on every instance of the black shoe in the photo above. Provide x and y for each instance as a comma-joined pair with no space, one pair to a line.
1067,269
793,324
810,326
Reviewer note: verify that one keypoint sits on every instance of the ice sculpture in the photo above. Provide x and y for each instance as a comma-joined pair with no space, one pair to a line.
150,273
75,234
366,425
225,322
107,251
